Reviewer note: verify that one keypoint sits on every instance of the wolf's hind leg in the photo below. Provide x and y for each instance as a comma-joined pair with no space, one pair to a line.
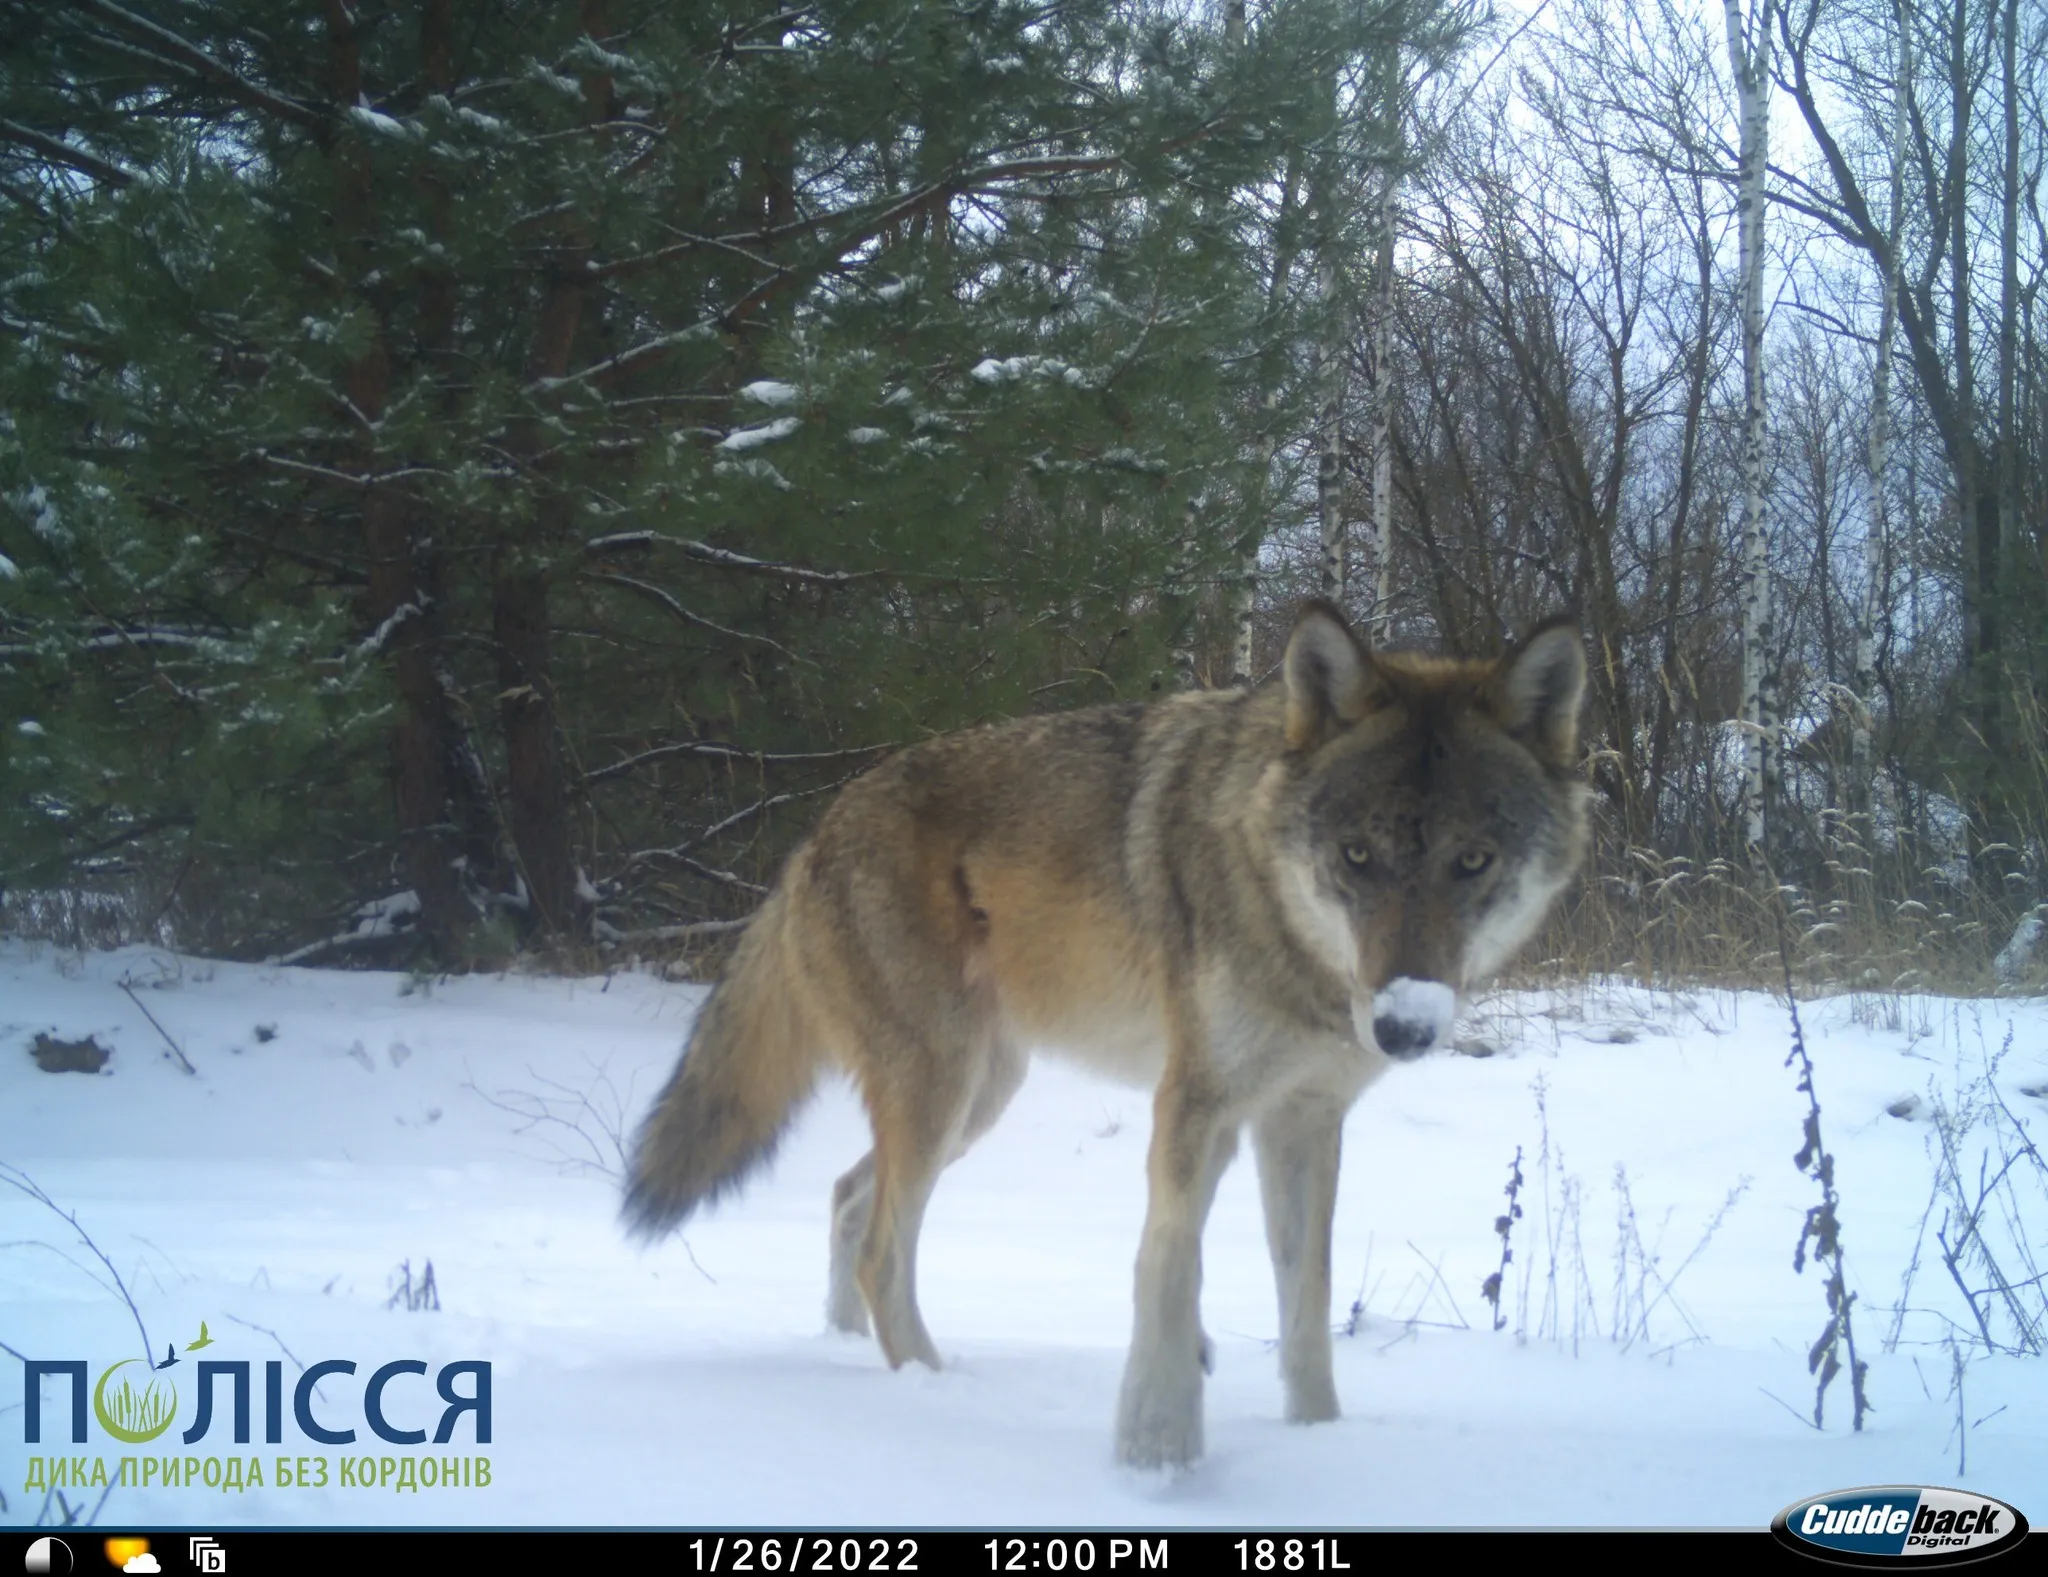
921,1104
853,1203
853,1196
908,1156
1002,1073
1297,1144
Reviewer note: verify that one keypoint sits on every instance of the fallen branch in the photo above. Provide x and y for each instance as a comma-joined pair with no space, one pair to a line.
176,1051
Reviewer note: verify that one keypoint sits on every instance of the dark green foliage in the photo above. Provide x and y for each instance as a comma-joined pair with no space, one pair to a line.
453,448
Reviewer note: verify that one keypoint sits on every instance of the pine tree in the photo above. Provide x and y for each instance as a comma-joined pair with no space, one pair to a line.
519,455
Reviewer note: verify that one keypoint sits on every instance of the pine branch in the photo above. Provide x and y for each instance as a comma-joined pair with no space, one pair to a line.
66,154
191,56
704,553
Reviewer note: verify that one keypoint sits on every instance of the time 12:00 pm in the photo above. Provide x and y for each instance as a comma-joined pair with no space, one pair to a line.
1141,1554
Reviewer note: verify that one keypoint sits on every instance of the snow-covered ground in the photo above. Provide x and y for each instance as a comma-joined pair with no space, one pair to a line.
338,1126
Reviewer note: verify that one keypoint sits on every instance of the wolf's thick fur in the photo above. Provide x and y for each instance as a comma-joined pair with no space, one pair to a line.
1230,896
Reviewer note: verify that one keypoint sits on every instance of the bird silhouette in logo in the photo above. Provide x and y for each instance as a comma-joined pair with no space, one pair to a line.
170,1355
204,1339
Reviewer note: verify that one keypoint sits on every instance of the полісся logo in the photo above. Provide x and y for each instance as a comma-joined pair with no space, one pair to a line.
140,1409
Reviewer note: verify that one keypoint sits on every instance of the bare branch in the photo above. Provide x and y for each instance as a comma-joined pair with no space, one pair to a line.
720,752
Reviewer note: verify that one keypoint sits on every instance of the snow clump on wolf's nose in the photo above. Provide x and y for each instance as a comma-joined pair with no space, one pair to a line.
1410,1016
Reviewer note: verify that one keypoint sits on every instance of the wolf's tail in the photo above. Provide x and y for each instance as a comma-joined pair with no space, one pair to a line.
751,1062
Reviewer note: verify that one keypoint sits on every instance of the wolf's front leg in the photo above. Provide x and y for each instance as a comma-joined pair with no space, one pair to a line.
1159,1416
1297,1145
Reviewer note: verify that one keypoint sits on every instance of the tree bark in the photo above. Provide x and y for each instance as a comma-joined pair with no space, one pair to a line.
1877,539
1244,594
1330,368
1381,619
1698,368
1749,62
397,602
536,792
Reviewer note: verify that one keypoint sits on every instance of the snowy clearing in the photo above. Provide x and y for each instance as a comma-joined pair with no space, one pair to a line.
336,1127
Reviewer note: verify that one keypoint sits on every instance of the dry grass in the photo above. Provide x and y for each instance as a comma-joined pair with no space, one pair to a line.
1858,918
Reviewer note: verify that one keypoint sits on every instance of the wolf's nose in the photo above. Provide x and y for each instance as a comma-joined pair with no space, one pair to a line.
1409,1016
1400,1037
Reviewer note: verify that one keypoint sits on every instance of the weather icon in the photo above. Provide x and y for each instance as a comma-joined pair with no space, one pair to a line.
145,1562
131,1555
47,1555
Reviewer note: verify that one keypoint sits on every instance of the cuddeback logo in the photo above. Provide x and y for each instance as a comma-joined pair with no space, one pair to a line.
1918,1525
137,1404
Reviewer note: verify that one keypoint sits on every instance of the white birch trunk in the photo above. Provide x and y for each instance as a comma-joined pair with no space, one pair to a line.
1330,369
1877,542
1244,598
1749,61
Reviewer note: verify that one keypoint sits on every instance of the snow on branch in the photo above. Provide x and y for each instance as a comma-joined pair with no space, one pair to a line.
609,934
114,639
628,360
723,752
67,154
658,595
378,638
699,869
704,553
744,438
189,55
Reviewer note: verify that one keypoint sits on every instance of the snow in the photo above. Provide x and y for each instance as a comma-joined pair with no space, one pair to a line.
991,370
375,120
769,391
8,571
29,726
34,501
1423,1007
866,435
2011,963
342,1130
753,437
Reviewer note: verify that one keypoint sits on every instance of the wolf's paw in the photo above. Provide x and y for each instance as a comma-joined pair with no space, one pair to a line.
1160,1427
848,1315
1312,1403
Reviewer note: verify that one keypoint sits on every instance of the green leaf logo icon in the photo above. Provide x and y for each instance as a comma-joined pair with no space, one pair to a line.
131,1415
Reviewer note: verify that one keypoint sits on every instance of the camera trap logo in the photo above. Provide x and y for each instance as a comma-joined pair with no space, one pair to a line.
1899,1523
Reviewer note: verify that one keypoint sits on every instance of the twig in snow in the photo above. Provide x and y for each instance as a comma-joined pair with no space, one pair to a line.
180,1055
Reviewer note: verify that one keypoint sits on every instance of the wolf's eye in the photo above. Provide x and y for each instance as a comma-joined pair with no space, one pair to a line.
1357,855
1473,861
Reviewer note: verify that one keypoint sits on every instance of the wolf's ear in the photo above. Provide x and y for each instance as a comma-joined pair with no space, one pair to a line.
1329,676
1539,687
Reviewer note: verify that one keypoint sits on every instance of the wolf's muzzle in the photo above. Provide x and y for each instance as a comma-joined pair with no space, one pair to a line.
1409,1016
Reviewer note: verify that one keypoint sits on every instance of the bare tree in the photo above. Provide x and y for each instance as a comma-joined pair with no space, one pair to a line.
1749,45
1380,408
1877,537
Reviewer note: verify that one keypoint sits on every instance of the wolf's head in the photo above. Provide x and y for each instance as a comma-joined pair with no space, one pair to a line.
1427,814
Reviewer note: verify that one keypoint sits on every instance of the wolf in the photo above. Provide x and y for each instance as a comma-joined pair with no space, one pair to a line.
1248,900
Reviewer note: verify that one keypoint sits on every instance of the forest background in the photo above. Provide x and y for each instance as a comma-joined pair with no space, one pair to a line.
475,475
